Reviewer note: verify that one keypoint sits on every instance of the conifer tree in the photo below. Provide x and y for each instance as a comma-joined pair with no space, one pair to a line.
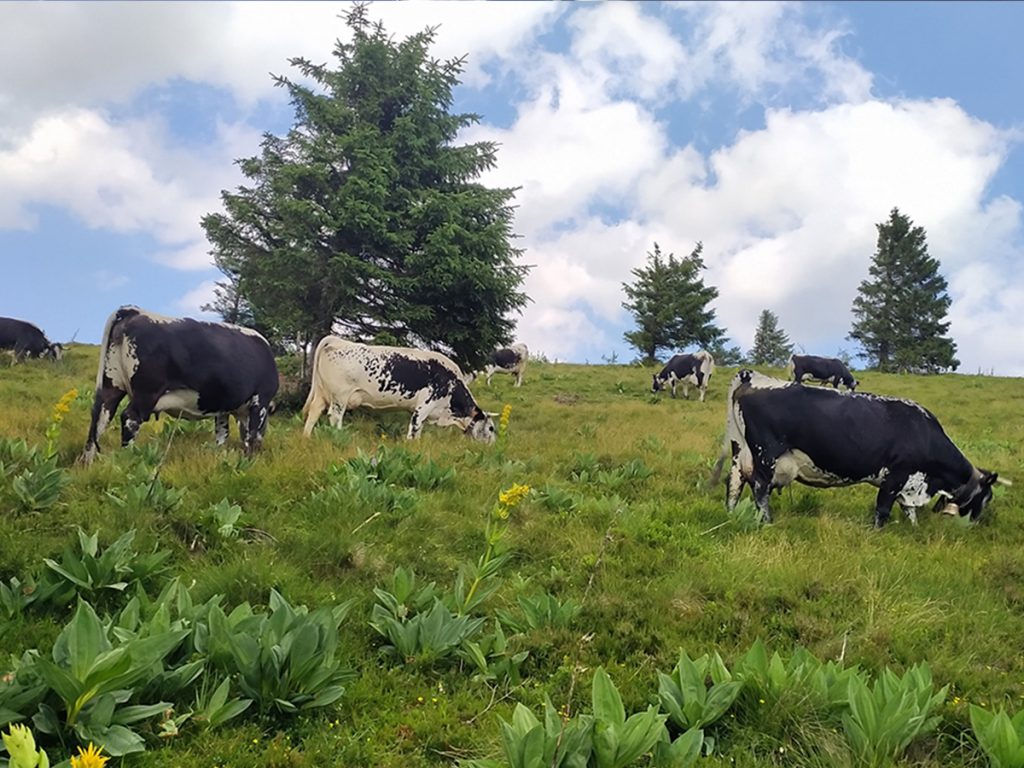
771,344
669,302
900,310
367,218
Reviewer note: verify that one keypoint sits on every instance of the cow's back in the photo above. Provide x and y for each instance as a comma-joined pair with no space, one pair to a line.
226,364
381,376
21,335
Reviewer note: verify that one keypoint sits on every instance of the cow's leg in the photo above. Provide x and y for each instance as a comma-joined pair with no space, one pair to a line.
887,493
314,408
220,428
673,380
686,389
132,418
490,373
761,482
419,418
519,377
703,391
734,481
336,414
910,512
254,426
762,491
104,405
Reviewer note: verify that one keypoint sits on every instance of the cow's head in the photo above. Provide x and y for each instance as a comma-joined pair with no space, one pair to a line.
481,427
972,497
56,351
850,382
657,384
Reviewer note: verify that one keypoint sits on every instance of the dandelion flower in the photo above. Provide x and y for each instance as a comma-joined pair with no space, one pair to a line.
89,758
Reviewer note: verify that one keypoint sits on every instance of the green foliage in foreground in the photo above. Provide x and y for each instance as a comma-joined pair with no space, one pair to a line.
620,557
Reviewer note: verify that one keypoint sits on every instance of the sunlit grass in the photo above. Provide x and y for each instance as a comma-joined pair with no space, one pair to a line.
665,566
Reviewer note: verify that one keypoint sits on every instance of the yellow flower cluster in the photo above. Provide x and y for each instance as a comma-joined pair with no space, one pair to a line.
506,414
60,410
89,758
510,497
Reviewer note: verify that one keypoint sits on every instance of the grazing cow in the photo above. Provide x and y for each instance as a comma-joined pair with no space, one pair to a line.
693,369
347,375
826,369
778,433
26,340
184,367
511,360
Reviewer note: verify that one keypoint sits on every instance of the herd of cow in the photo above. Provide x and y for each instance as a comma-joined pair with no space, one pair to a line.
777,432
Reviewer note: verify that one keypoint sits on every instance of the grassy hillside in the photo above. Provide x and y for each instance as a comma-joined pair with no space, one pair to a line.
620,520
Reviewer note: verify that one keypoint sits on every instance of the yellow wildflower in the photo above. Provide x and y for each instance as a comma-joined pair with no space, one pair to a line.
63,406
506,414
510,497
89,758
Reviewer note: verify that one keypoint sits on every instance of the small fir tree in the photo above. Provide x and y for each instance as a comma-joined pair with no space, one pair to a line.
771,344
669,302
367,217
900,310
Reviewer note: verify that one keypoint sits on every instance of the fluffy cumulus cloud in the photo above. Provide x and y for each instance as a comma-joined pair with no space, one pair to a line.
786,208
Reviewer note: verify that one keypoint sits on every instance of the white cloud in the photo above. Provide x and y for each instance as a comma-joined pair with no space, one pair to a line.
786,211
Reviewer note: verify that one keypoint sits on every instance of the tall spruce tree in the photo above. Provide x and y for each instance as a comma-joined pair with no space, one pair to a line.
771,344
669,302
366,217
900,310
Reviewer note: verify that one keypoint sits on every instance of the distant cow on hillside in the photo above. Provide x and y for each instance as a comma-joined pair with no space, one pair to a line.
26,340
826,369
184,367
693,369
511,360
347,374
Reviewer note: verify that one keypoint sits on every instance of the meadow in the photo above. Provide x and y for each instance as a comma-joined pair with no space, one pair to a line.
619,557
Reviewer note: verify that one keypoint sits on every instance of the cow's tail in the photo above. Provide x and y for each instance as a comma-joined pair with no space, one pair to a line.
716,471
317,397
790,368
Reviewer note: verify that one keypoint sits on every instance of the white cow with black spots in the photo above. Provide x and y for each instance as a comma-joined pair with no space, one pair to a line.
348,374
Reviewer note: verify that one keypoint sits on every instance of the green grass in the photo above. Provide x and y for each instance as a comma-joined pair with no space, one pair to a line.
665,567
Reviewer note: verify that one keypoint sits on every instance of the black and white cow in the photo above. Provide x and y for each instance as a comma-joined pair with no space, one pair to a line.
347,374
693,369
26,340
826,369
184,367
511,360
780,433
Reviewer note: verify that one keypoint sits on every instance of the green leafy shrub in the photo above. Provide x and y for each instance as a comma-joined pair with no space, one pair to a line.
399,466
285,660
803,677
494,657
688,700
424,638
38,486
885,717
91,574
541,611
94,678
618,740
152,494
1000,736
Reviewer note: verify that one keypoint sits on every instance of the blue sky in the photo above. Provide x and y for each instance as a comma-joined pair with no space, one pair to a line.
777,134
